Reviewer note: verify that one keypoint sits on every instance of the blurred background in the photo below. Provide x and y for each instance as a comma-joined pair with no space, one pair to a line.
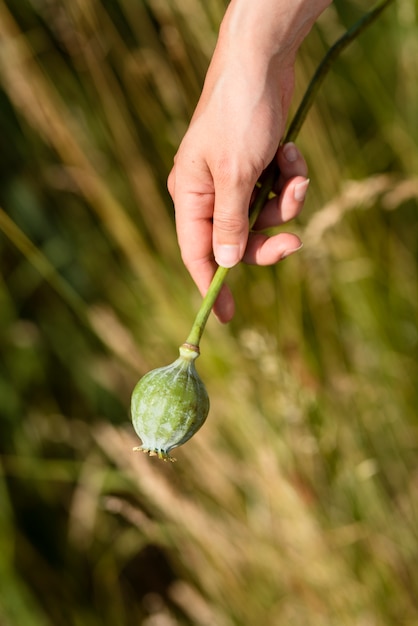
297,503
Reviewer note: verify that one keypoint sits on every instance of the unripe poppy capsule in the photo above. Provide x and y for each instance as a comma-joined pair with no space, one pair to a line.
169,405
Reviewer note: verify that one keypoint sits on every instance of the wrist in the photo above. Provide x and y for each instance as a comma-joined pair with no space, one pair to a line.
269,29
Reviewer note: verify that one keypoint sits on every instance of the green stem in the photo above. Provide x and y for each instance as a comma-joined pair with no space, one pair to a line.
323,68
271,173
205,308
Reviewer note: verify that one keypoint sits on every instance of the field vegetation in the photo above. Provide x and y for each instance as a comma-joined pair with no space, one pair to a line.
297,502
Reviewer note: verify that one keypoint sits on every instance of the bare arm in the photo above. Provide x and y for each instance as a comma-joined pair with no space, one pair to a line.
233,136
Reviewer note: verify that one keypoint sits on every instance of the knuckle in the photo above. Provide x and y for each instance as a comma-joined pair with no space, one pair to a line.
230,173
229,223
192,261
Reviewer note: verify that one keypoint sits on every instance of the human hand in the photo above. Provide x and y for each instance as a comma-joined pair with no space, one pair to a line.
232,137
260,249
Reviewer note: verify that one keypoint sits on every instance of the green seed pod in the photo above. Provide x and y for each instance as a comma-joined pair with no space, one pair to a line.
169,405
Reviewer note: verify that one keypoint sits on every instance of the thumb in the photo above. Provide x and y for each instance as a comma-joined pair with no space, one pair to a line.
230,223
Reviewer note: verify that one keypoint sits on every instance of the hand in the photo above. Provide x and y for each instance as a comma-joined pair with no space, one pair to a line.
260,249
232,137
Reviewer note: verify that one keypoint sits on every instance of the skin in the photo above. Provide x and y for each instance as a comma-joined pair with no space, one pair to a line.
233,135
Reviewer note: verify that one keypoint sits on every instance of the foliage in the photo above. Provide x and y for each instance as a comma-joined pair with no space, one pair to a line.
297,501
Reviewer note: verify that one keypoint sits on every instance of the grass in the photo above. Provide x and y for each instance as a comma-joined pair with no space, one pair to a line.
297,501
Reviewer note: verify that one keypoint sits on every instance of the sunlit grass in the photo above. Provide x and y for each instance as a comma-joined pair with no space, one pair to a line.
297,501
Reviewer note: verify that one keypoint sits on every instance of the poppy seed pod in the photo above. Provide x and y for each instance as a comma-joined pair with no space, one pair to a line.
169,405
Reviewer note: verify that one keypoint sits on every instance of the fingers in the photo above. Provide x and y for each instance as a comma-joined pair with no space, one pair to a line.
264,250
286,206
291,188
194,233
230,217
212,219
291,161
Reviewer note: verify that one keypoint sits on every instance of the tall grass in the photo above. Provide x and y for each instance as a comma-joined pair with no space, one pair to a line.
297,502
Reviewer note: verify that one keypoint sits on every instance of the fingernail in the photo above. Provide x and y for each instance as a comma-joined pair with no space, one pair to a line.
300,190
287,253
227,255
290,152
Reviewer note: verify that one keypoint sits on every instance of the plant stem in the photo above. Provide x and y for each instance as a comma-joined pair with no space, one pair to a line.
205,308
269,176
325,65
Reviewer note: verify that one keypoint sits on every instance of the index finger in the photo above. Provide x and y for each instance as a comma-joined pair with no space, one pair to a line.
194,225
